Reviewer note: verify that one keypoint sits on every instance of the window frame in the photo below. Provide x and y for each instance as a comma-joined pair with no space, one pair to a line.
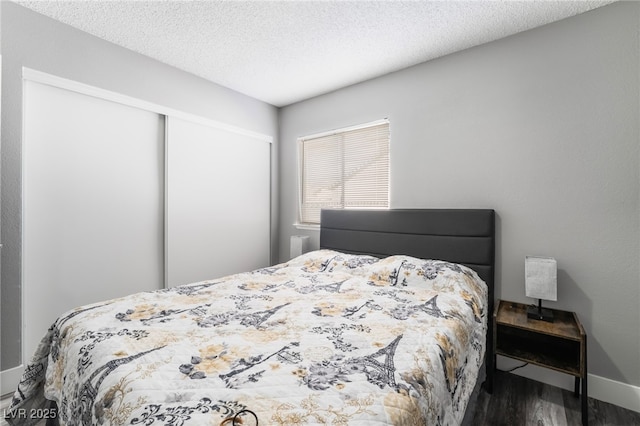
300,168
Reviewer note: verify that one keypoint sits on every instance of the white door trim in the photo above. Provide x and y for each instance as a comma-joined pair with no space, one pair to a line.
85,89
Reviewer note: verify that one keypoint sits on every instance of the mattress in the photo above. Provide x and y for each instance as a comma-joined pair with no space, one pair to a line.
326,338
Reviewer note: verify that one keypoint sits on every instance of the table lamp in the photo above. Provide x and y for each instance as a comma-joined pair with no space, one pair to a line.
541,282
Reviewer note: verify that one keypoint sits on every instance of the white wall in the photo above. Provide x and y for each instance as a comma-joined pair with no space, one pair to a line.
34,41
542,127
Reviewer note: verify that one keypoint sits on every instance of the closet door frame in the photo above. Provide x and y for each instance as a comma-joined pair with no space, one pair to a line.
85,89
31,75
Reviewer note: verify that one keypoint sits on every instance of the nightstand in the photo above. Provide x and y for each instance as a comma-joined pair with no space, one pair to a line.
560,345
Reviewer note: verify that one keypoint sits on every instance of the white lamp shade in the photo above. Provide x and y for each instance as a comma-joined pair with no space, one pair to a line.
541,277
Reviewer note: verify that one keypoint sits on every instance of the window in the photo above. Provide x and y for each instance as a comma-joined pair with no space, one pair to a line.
347,168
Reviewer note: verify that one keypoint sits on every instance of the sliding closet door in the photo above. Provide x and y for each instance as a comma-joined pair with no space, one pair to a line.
93,192
218,202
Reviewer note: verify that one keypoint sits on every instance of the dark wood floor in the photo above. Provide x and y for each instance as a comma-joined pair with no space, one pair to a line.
517,401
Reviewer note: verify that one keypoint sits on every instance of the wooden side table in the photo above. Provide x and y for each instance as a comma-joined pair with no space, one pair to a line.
560,345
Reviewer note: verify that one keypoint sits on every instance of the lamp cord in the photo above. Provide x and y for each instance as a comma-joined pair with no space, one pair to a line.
514,368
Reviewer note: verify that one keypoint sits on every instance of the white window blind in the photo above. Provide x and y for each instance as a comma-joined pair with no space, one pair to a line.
347,168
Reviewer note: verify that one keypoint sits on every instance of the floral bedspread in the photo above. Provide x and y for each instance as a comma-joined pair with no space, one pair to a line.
327,338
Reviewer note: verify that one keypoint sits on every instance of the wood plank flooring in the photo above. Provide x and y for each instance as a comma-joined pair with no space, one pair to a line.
518,401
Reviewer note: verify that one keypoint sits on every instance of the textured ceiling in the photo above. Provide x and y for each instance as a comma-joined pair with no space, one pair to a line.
285,51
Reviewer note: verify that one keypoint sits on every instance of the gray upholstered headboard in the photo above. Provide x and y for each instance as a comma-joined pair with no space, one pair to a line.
458,235
465,236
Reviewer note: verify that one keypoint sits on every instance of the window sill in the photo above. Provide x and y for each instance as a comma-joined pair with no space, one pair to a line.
307,226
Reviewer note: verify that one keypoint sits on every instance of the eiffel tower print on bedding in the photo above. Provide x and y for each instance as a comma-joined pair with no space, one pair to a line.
326,338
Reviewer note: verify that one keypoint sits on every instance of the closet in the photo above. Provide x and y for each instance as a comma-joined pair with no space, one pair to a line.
119,199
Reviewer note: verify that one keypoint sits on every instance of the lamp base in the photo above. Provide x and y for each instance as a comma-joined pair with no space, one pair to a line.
539,313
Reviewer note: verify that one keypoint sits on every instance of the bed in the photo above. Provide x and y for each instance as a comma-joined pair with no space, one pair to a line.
385,324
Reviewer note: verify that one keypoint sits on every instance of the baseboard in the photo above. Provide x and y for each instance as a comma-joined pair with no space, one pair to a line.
617,393
9,380
600,388
5,401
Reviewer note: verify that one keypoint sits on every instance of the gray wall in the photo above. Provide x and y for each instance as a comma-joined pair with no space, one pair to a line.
542,127
34,41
